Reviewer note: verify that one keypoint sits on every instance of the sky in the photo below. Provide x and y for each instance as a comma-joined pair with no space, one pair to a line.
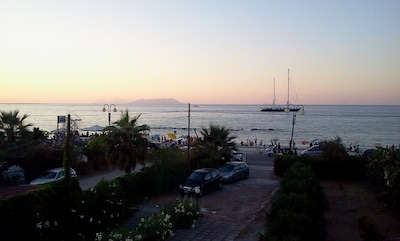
200,52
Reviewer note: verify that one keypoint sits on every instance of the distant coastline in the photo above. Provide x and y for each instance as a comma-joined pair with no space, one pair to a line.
172,101
160,101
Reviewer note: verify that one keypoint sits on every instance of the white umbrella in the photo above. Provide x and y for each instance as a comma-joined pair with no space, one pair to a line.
94,128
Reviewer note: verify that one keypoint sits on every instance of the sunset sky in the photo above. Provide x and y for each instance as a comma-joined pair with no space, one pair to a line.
201,52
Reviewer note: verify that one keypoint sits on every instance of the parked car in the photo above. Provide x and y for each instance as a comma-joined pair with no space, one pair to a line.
201,181
52,175
232,171
315,150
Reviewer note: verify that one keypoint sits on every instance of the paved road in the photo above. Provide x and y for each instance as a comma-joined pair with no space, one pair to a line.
231,214
87,182
234,213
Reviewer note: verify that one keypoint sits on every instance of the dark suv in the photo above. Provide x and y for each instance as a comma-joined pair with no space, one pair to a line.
201,181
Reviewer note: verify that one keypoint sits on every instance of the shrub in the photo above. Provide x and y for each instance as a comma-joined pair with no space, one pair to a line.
94,150
41,157
333,150
350,168
384,171
297,211
183,213
105,204
118,235
155,227
168,170
136,186
282,163
14,174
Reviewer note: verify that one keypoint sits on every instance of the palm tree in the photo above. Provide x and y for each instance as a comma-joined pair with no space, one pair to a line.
217,144
13,125
126,144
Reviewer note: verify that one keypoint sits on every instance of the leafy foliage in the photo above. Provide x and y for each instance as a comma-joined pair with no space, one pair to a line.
333,150
297,211
95,151
183,213
216,146
126,144
13,125
168,169
384,171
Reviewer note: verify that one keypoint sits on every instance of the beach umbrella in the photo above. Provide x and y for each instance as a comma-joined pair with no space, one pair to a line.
304,142
156,136
171,136
94,128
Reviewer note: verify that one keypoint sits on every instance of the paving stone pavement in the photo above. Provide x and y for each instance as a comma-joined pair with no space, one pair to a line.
205,229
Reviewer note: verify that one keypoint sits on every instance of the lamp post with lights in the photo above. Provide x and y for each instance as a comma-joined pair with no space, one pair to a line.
302,112
109,108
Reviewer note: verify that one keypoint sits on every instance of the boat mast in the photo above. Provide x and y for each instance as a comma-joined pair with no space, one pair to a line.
273,103
287,103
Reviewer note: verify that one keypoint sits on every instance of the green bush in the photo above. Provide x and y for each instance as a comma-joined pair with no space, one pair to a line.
42,214
118,235
183,213
297,211
350,168
384,171
155,227
104,205
136,186
168,170
282,163
95,151
175,215
333,150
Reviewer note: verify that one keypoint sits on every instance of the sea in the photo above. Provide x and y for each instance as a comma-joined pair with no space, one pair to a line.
365,125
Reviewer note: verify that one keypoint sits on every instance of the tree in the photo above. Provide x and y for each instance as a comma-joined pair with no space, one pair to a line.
333,150
126,144
94,150
13,125
217,144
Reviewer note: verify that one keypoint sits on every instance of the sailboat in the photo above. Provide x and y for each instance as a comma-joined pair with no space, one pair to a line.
276,108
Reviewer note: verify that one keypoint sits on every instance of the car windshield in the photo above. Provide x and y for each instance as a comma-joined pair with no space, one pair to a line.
49,175
196,176
226,168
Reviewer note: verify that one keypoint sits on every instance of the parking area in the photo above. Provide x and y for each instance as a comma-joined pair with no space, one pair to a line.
237,212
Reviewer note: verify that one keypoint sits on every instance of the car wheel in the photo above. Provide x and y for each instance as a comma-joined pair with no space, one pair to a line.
247,175
220,186
231,180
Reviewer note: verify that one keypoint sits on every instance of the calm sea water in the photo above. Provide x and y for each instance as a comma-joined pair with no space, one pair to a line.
369,125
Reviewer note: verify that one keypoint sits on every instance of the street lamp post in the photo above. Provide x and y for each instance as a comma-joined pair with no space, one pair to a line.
109,107
287,110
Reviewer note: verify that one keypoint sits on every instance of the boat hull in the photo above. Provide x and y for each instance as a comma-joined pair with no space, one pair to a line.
279,109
